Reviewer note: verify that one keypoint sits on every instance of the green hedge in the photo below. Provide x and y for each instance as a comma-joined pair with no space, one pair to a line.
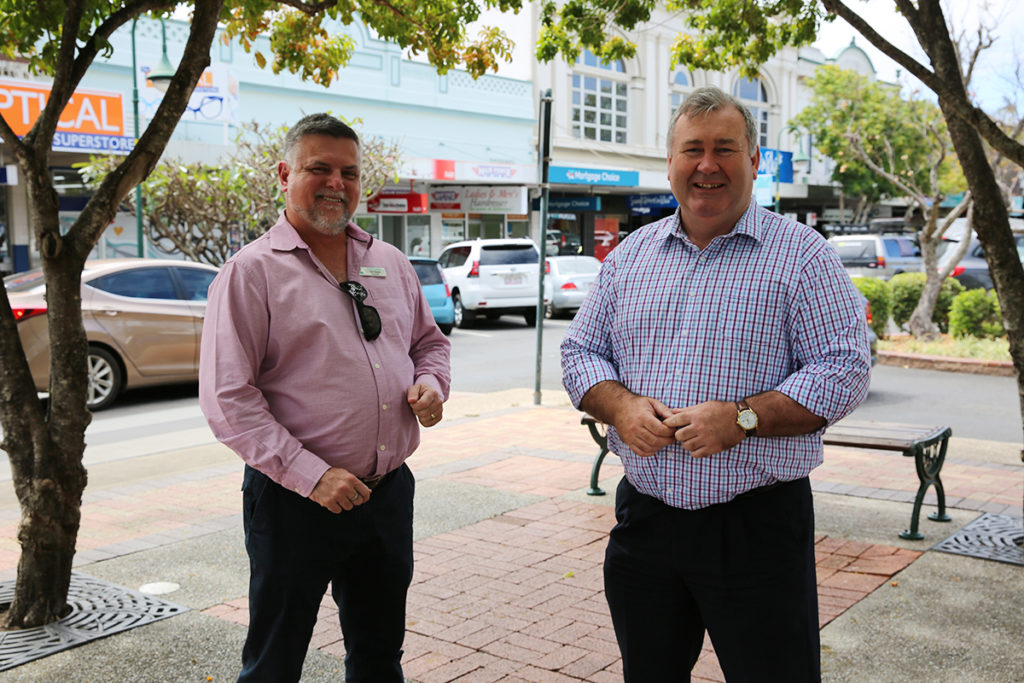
876,291
906,292
976,313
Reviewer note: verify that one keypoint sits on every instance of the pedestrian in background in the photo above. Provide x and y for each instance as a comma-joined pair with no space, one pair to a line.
717,344
319,356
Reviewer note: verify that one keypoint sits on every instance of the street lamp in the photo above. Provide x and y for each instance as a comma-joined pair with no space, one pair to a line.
160,77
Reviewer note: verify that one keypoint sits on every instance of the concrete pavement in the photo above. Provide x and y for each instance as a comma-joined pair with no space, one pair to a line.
509,549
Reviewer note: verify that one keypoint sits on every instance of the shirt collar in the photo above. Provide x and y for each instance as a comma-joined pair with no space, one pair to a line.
284,237
748,224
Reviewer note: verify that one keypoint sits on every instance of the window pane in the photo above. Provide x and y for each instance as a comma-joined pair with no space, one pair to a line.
606,86
590,83
606,136
142,283
590,116
620,89
590,133
606,119
620,137
620,105
681,78
196,282
575,80
620,121
590,100
606,103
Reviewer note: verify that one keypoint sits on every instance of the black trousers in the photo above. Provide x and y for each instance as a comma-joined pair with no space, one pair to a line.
742,570
296,547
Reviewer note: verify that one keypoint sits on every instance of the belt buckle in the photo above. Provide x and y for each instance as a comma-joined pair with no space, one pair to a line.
371,482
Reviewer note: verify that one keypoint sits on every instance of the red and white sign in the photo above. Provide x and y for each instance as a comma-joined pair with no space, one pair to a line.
408,202
479,198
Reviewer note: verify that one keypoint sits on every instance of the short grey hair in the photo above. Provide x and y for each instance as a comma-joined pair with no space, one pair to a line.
704,101
317,124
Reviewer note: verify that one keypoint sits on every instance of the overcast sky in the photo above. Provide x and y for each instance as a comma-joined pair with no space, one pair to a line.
990,81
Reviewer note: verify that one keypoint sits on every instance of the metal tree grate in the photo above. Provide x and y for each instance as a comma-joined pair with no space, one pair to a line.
98,609
990,537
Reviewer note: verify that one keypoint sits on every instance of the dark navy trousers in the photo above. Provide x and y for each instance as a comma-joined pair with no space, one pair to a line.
743,570
296,547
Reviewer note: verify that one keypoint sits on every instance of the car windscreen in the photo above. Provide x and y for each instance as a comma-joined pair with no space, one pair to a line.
428,273
508,254
852,251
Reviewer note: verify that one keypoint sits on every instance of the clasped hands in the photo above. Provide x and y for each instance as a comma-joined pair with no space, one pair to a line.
647,425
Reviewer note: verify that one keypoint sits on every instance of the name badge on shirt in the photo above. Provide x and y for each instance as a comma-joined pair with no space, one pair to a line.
371,271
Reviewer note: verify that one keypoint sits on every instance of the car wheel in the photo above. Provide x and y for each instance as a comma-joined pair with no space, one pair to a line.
463,318
445,329
531,317
105,378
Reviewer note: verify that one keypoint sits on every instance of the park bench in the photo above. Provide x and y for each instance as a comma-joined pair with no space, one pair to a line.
927,445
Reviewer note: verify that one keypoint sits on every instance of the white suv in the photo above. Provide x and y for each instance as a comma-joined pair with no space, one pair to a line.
492,277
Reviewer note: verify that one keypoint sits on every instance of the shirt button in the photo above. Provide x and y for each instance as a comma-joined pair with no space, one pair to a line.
384,406
377,365
383,447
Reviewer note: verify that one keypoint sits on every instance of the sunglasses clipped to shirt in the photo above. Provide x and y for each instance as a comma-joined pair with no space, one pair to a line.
369,318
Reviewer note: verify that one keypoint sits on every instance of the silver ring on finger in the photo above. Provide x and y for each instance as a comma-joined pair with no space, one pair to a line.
355,498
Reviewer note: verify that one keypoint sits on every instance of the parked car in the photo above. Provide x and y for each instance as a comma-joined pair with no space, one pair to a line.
143,320
567,279
436,290
559,243
972,270
882,256
492,277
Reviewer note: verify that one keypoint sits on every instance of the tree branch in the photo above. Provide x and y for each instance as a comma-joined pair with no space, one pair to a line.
954,94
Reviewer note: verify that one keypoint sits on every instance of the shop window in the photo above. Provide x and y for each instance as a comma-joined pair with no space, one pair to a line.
417,235
485,226
753,94
600,100
453,229
680,87
391,230
368,223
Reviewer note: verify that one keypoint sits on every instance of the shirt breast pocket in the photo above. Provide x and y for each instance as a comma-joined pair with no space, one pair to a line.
753,323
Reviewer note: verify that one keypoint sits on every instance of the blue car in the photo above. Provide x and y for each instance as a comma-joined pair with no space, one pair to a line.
435,288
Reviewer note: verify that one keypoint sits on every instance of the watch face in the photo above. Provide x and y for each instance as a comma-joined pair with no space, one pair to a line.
747,419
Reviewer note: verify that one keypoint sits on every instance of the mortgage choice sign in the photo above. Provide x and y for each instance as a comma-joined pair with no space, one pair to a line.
92,120
479,198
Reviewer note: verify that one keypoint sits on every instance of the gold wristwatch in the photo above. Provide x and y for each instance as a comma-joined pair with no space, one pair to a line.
746,418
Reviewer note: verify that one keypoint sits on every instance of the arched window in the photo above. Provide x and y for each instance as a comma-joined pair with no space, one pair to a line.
599,100
755,96
680,87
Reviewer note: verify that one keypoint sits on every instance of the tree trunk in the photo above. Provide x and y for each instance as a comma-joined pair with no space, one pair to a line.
45,451
992,224
920,323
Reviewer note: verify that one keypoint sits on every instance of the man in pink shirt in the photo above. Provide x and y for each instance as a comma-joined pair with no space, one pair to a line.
319,357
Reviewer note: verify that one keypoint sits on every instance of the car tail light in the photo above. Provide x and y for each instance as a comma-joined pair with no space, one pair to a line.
568,285
881,262
957,271
475,270
26,313
547,267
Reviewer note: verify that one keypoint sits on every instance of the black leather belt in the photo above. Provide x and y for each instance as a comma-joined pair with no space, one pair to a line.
376,480
759,490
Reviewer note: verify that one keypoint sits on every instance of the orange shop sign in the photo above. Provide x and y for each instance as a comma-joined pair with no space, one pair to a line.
93,120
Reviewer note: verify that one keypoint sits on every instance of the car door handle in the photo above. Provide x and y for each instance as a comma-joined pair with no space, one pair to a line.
109,312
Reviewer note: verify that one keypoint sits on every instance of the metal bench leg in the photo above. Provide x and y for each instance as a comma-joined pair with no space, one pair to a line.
940,493
912,534
595,473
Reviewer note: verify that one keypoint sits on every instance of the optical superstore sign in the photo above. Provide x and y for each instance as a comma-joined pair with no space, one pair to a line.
92,120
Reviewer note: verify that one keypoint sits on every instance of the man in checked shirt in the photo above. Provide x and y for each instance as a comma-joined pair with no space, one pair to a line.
717,344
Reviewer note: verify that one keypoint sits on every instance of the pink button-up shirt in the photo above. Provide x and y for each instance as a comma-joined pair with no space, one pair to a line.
286,378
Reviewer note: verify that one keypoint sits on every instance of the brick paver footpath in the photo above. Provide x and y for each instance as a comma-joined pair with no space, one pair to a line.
518,596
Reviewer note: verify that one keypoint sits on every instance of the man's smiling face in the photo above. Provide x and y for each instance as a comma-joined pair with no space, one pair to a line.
320,180
712,171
